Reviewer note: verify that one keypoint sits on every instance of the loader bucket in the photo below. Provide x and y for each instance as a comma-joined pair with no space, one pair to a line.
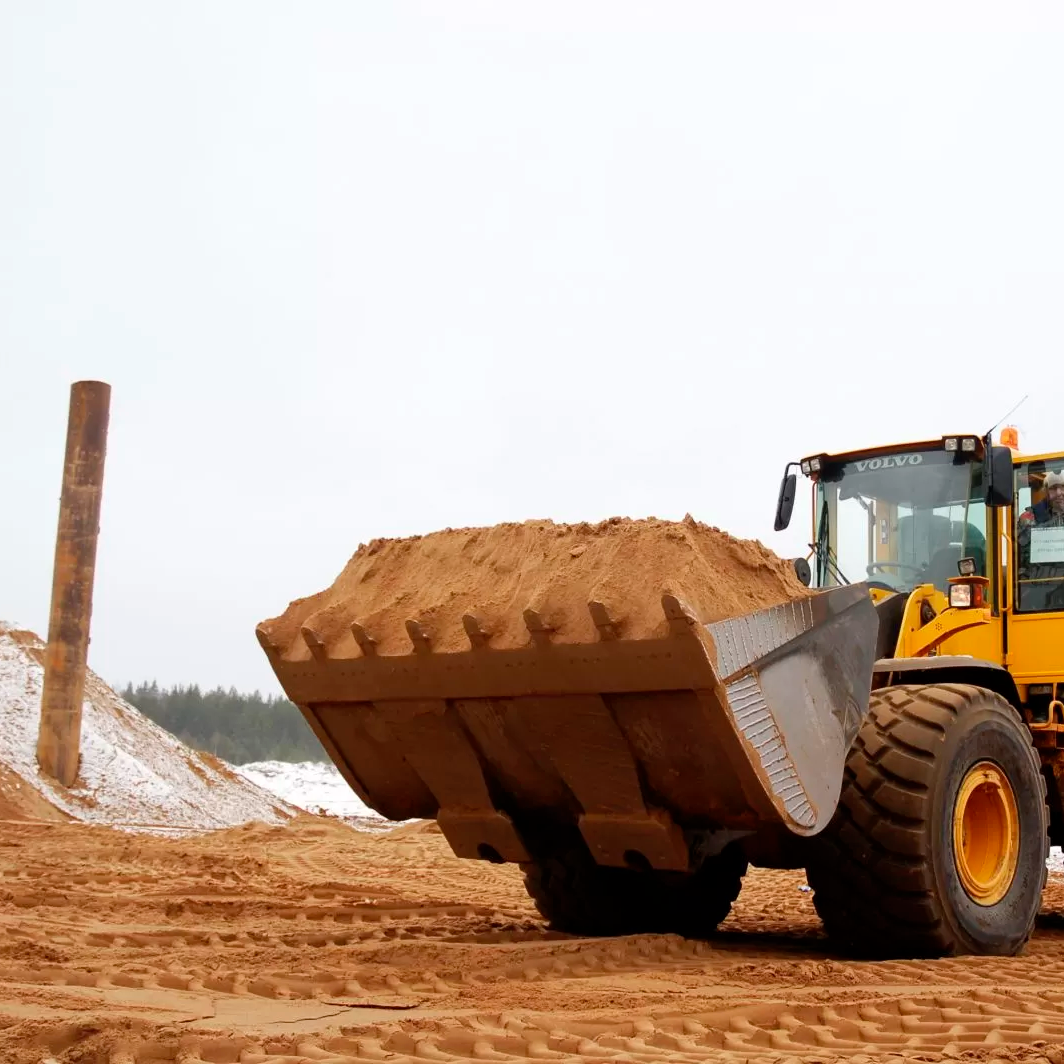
732,725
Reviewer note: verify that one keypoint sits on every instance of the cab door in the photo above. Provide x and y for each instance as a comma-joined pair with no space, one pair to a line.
1035,586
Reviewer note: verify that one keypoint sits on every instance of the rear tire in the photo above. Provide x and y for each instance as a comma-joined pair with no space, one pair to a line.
580,897
939,843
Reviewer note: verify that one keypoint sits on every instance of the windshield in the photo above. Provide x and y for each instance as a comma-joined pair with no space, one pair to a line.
899,519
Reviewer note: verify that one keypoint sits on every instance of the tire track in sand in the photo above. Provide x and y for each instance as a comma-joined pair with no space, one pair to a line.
316,943
1018,1026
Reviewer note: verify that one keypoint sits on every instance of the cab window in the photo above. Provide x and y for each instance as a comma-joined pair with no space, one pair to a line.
900,520
1039,535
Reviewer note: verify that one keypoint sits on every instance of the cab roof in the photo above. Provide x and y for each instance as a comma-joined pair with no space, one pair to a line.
898,448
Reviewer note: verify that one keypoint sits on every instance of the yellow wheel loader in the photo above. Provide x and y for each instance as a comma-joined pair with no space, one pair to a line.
894,731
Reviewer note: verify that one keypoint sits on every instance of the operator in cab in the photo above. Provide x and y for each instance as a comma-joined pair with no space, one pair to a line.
1049,512
1041,568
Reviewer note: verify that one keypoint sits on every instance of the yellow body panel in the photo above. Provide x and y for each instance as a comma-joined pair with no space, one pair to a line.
972,633
1036,642
982,641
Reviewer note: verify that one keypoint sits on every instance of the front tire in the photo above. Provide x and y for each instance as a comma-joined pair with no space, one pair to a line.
939,843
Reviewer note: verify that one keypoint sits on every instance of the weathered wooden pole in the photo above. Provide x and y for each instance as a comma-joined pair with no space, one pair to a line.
59,739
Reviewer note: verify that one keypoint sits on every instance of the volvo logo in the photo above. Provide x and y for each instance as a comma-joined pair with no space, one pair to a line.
889,461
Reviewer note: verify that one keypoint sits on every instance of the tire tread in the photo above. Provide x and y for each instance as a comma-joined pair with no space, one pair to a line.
872,878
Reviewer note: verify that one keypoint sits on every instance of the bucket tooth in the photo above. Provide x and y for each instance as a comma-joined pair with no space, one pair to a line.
607,627
478,638
366,643
419,637
538,628
273,651
679,615
314,643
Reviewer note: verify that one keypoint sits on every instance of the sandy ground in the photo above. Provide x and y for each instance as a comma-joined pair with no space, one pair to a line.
312,942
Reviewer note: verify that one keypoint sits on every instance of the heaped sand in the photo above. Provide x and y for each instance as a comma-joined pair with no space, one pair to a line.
497,573
311,943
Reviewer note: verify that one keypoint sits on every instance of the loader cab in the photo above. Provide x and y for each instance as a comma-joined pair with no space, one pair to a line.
900,517
919,524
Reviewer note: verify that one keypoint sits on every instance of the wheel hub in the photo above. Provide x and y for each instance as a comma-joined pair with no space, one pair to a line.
986,833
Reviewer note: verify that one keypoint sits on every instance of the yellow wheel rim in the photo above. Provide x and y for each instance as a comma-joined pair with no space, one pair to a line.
986,834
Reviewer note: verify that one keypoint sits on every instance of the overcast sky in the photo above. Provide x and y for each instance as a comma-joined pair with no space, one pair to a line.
359,270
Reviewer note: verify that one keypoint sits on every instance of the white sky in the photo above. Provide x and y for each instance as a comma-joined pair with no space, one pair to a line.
358,270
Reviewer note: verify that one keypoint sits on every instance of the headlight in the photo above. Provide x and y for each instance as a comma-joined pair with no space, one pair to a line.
960,595
951,443
968,444
814,465
806,468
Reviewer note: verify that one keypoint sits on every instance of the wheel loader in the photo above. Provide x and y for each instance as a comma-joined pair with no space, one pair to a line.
894,731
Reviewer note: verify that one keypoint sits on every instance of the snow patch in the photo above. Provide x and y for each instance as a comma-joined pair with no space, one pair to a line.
315,787
133,773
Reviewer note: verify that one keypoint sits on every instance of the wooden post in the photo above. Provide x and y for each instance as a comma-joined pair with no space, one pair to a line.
59,739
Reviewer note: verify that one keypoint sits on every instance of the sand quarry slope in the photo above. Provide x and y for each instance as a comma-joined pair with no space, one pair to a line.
132,772
497,573
312,942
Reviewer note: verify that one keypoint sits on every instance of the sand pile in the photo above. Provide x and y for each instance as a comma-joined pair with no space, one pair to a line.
497,573
133,773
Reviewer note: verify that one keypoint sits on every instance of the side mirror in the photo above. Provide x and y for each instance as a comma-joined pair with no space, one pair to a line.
802,570
785,503
1000,484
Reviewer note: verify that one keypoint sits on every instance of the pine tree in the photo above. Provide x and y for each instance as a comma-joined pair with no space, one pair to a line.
235,727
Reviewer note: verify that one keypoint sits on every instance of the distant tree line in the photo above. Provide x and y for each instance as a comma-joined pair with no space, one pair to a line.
235,727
